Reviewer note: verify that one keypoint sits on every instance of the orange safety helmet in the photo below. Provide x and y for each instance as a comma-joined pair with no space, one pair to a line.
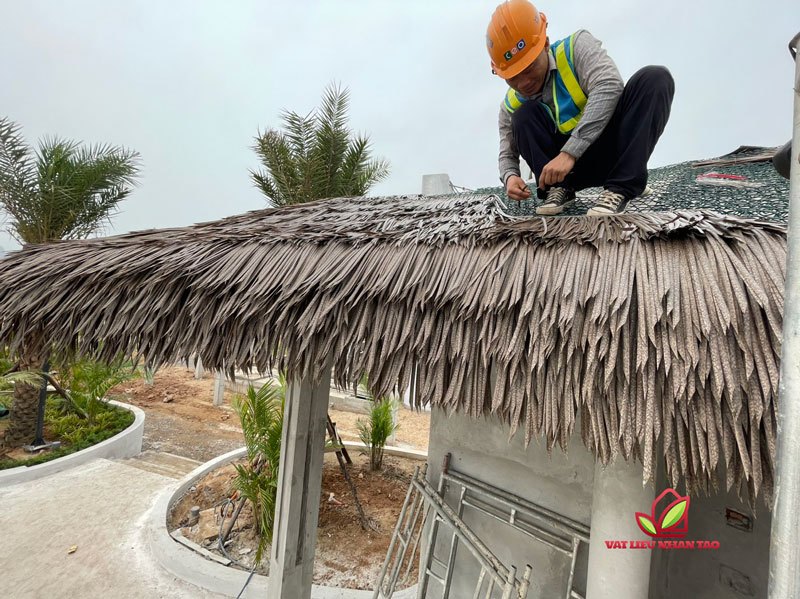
516,36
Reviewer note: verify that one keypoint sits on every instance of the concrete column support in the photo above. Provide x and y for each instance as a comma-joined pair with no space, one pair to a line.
784,554
392,440
219,388
198,369
149,375
618,494
299,484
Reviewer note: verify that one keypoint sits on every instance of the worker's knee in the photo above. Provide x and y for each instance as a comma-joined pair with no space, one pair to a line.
655,77
531,116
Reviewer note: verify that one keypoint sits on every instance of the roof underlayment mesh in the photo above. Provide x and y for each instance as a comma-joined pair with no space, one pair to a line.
675,187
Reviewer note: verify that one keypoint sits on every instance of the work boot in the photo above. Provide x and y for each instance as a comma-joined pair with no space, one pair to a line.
611,202
558,198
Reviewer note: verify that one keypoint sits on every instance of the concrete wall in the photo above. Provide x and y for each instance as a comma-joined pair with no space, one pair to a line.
561,483
738,569
348,403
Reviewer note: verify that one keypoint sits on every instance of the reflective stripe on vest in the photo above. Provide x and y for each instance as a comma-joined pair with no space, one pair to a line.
568,97
513,101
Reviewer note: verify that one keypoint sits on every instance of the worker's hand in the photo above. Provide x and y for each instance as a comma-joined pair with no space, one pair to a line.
516,189
556,170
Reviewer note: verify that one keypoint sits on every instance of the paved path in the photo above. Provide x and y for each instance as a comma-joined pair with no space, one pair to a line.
102,508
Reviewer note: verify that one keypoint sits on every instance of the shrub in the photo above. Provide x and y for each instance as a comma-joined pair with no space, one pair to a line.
87,419
261,415
74,431
89,382
375,431
79,432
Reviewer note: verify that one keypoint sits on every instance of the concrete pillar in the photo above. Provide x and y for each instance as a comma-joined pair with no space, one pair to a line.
219,388
392,440
198,369
436,185
617,495
294,539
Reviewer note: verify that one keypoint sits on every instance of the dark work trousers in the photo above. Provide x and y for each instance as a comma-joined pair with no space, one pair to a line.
617,160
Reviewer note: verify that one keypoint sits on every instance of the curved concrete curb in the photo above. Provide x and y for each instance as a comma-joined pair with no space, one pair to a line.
412,454
185,560
125,444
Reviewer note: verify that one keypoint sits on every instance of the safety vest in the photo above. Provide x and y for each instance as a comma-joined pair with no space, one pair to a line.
568,97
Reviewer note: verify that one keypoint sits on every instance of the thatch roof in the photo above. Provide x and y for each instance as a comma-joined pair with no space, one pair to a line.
661,331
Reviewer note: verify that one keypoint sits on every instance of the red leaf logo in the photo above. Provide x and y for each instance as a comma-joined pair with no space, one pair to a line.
672,522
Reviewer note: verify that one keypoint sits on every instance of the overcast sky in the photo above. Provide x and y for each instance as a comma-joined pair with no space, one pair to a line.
189,83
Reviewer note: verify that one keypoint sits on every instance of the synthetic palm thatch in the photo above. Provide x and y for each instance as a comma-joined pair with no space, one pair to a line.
659,333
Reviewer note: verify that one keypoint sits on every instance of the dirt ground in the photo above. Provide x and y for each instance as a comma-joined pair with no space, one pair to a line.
190,425
413,431
347,556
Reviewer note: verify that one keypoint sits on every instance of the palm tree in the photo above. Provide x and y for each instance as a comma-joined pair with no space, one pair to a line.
316,156
62,190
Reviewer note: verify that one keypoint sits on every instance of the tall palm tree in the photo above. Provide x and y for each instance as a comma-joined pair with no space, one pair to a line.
316,156
61,190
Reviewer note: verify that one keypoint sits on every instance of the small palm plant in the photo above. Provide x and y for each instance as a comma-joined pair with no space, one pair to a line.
376,431
261,415
27,377
9,375
89,382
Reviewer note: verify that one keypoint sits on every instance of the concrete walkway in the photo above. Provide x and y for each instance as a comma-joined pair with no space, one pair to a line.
101,507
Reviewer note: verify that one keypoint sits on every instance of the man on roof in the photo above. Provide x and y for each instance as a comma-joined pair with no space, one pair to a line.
569,114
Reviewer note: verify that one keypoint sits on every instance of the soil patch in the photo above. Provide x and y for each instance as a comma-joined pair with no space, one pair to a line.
413,432
189,425
346,556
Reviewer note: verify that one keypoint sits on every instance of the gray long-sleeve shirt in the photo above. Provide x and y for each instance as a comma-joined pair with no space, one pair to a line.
599,79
